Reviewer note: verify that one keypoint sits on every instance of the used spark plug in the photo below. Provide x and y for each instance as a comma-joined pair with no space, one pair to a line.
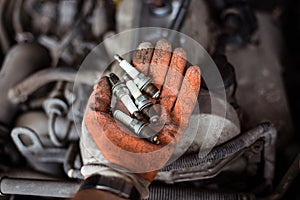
144,105
143,82
120,90
139,128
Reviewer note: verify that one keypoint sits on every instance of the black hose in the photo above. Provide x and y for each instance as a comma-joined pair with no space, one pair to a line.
286,181
177,23
110,14
17,17
221,43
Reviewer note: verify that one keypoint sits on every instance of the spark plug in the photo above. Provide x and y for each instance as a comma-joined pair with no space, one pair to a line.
144,105
143,82
139,128
120,90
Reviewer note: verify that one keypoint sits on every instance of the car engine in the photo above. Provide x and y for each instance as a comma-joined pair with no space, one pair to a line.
254,148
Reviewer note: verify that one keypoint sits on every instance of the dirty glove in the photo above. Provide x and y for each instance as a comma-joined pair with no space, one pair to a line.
108,150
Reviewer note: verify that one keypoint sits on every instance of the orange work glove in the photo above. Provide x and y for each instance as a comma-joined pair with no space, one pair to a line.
109,150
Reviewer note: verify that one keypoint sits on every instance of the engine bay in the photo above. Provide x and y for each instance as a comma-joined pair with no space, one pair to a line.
47,75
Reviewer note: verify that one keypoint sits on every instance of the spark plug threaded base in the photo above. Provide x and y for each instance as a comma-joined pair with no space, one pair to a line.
139,128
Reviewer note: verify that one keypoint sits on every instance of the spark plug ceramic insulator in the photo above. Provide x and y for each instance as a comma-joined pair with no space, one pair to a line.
143,104
143,82
139,128
120,90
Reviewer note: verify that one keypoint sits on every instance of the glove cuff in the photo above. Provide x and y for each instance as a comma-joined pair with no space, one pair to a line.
139,183
114,185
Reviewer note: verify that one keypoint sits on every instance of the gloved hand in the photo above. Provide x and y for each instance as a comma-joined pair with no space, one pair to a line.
108,150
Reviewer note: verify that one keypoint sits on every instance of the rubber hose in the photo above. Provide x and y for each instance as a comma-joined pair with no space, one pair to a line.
224,150
20,92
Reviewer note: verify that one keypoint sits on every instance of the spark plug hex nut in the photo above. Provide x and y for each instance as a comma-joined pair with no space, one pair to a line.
144,105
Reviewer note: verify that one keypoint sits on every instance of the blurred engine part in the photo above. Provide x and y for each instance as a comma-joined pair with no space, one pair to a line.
237,19
25,58
65,189
43,44
193,166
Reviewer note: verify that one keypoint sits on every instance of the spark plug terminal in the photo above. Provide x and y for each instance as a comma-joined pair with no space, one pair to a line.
143,82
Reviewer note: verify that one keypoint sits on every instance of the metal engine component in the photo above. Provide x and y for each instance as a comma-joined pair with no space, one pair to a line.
38,122
41,158
35,187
